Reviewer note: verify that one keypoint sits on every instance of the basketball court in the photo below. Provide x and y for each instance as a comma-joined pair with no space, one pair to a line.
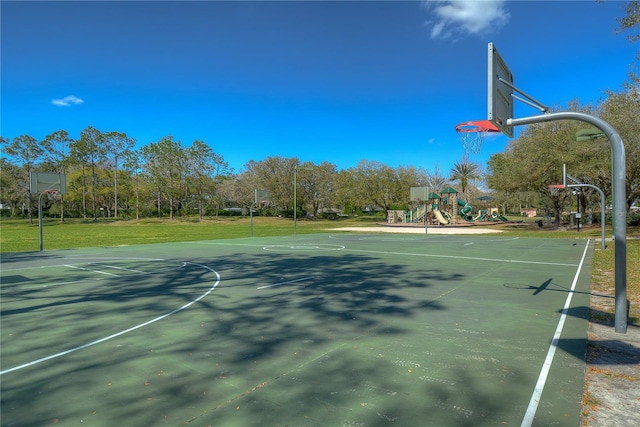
336,329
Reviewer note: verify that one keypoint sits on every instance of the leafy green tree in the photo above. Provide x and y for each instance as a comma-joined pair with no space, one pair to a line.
132,165
343,194
231,191
12,194
534,160
57,148
274,174
165,165
316,185
631,21
376,185
502,178
116,146
622,110
203,169
88,152
26,152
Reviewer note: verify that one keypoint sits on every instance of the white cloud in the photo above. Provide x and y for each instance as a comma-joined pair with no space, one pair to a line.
67,101
466,17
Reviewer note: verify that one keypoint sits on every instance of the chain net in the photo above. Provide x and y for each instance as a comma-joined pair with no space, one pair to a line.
472,134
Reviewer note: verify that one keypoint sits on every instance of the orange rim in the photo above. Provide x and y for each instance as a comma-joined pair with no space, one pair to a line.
477,126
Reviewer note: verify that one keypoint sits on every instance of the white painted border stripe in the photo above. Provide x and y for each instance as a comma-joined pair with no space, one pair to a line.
101,340
546,366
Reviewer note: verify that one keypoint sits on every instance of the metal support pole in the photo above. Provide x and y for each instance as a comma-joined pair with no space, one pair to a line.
295,198
426,210
251,216
619,202
579,215
40,220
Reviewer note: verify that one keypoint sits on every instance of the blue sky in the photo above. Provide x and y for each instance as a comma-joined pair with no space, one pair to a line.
322,81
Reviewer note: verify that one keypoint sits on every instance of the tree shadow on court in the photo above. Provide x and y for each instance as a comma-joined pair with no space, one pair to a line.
348,345
8,258
222,349
88,288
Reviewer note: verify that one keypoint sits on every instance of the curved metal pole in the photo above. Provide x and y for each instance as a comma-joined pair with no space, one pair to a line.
602,206
295,198
619,201
251,216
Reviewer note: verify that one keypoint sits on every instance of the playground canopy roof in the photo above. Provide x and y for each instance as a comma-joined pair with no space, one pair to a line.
449,190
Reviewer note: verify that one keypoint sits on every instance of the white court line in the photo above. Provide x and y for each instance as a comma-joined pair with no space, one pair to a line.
115,267
463,257
286,283
40,267
502,240
48,285
91,270
546,366
101,340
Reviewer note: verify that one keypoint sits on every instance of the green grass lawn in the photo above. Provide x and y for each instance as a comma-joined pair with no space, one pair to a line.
17,235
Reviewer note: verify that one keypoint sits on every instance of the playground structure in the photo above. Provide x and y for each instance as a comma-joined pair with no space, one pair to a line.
442,209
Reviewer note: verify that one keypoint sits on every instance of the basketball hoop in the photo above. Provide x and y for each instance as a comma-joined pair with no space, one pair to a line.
472,133
51,194
554,189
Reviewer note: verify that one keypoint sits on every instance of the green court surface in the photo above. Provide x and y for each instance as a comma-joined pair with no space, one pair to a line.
314,330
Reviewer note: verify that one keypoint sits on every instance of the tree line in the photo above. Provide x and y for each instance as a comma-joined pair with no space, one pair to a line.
107,177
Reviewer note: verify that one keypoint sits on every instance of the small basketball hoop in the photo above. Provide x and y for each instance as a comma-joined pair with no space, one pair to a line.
473,132
51,194
554,189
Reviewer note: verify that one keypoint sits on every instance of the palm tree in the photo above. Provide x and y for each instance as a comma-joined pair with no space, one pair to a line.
463,172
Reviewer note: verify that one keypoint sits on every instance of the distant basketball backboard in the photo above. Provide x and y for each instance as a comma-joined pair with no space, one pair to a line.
261,196
500,94
419,194
45,181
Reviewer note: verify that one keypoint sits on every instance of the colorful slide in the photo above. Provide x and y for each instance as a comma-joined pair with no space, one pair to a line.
481,215
441,219
465,211
496,216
